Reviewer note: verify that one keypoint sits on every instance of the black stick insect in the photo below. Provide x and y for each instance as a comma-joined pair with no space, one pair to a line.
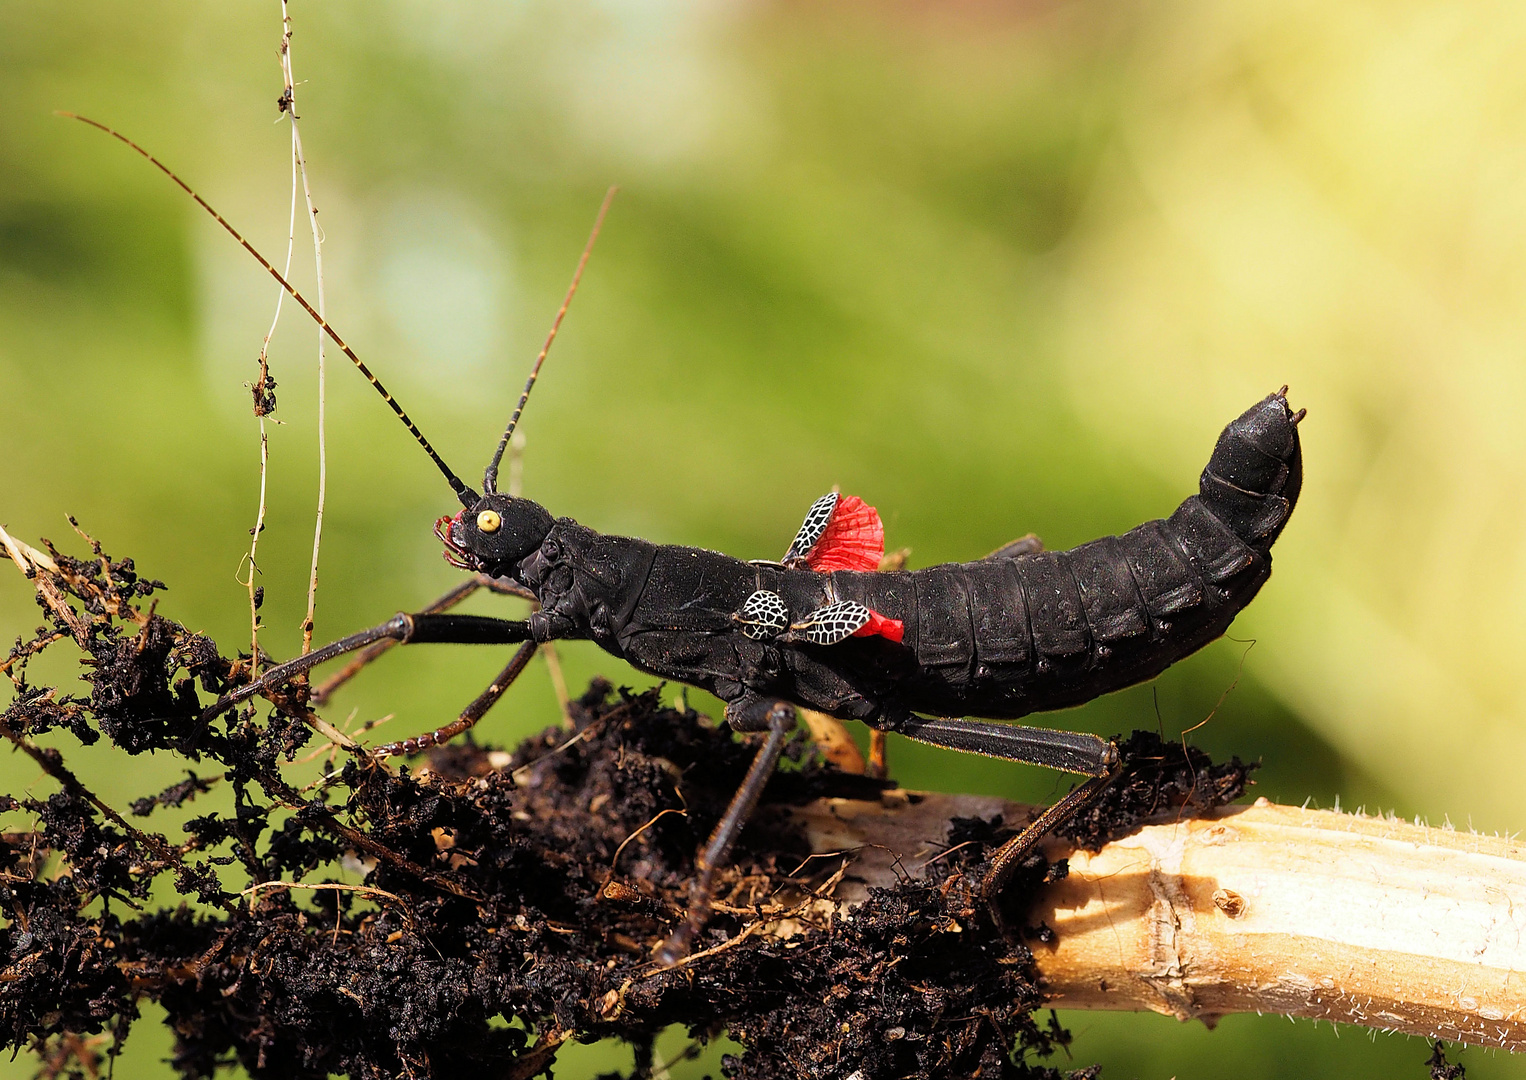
1021,631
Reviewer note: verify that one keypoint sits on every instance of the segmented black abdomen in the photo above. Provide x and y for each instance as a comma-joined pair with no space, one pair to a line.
1007,637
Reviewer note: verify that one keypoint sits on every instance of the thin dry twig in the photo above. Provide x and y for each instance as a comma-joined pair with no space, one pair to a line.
323,886
255,597
289,100
660,815
27,558
263,404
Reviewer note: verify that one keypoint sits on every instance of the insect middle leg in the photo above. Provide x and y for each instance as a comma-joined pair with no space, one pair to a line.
469,716
749,714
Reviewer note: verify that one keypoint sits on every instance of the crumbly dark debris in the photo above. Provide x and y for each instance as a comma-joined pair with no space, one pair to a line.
1160,780
532,893
1440,1068
174,795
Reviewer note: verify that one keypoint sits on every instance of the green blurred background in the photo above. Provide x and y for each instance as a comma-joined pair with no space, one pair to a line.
993,267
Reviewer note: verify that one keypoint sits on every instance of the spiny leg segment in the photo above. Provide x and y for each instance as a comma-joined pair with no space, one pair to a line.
328,687
1068,751
406,629
470,715
1015,851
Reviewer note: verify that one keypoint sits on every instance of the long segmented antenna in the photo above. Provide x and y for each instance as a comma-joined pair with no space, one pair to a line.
490,475
467,496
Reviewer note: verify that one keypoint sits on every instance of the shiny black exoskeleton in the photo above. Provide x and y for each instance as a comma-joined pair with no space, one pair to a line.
1002,637
1018,632
1021,631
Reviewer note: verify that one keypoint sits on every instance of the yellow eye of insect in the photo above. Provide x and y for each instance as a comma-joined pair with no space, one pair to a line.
488,521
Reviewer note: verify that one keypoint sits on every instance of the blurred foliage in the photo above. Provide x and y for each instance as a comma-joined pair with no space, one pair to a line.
994,267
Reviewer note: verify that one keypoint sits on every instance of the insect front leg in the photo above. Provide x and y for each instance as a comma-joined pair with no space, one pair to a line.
326,689
750,713
402,628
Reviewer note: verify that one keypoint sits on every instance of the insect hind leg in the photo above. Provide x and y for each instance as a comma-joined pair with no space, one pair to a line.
1071,751
1015,851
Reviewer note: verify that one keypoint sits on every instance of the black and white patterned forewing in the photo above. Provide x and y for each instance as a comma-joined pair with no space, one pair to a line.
763,615
833,623
815,524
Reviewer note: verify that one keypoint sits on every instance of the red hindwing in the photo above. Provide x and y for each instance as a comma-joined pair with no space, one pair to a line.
890,629
853,540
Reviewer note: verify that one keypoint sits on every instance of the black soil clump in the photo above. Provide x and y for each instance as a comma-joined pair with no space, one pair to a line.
1160,780
477,911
